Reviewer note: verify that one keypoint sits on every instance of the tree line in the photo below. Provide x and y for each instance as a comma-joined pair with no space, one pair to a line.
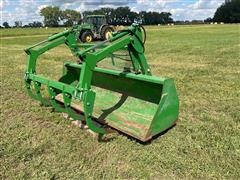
124,16
53,16
18,24
228,12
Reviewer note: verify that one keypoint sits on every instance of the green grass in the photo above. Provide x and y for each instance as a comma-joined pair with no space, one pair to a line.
28,31
205,62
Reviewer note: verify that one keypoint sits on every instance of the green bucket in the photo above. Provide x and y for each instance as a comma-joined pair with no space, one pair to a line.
138,105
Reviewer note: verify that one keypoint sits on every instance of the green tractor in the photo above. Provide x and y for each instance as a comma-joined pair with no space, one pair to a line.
94,27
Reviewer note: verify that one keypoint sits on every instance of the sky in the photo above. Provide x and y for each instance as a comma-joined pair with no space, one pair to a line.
28,10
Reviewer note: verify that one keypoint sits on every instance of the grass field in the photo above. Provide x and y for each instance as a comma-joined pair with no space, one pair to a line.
205,62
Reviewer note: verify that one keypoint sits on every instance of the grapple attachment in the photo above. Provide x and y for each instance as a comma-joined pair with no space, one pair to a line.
135,103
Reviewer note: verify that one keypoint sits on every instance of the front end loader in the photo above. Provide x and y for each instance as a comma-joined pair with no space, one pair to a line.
133,102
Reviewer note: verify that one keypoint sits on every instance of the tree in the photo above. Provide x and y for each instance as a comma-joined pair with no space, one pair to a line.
86,13
133,17
228,12
6,25
165,17
197,21
71,17
52,15
35,24
142,15
122,15
153,18
208,20
18,24
108,12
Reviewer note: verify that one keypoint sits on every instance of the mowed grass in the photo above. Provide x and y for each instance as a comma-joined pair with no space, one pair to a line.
8,33
205,62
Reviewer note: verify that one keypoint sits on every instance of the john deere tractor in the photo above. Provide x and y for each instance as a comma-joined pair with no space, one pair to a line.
94,27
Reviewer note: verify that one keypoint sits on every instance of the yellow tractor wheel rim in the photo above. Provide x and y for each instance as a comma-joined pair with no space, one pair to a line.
108,35
89,38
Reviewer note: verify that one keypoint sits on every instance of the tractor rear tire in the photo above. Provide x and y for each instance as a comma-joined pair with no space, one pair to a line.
105,32
86,36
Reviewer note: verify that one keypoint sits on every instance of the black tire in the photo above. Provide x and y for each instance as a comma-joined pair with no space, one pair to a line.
86,36
105,30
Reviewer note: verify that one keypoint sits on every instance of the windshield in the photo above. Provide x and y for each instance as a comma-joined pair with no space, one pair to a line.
95,20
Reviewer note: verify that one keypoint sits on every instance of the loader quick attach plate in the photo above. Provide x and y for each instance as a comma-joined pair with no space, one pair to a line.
137,105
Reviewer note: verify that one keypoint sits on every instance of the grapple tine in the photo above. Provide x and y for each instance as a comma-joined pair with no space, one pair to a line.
88,108
57,106
29,90
37,87
67,98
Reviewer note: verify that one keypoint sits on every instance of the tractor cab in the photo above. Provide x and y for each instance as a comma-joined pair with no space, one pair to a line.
96,21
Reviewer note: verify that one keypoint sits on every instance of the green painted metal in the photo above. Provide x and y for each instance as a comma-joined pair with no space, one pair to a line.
136,103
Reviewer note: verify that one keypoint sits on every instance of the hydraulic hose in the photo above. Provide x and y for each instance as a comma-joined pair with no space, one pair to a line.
144,36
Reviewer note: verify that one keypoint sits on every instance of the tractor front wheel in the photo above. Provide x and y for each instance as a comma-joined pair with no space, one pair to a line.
86,36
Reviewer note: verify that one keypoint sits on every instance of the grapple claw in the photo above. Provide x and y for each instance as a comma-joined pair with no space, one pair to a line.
67,103
37,87
29,90
88,108
56,105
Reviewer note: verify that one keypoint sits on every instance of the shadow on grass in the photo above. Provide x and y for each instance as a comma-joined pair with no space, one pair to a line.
103,139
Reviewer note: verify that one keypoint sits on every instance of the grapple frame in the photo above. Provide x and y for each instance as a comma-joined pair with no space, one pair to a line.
159,93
